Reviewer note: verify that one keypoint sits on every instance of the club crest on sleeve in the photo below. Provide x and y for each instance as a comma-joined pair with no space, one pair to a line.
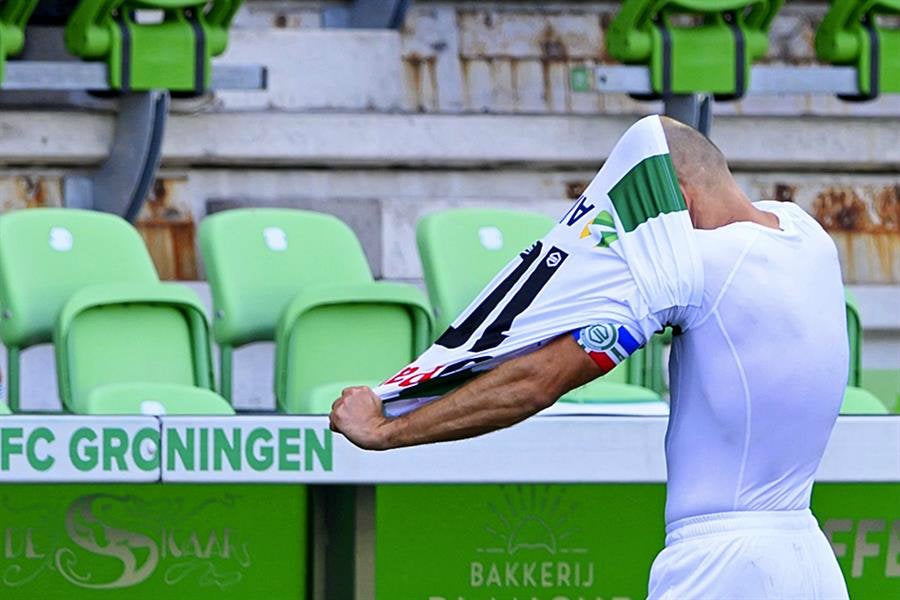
598,338
606,344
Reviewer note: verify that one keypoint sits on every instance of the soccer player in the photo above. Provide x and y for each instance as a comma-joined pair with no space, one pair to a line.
757,372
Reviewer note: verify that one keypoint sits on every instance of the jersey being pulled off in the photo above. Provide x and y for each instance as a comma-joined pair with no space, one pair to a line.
623,254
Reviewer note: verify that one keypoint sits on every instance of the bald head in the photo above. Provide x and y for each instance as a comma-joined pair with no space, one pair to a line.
698,162
712,195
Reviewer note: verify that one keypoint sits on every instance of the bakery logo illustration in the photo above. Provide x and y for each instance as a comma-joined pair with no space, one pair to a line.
119,541
533,543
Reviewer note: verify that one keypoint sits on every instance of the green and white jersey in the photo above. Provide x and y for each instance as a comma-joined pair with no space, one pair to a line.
623,256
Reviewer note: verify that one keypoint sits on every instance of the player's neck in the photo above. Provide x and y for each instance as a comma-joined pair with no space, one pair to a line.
729,206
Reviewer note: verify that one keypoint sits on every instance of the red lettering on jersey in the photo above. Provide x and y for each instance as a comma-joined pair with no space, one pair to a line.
420,377
399,376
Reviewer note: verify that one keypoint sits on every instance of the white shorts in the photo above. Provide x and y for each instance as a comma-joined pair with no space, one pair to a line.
746,555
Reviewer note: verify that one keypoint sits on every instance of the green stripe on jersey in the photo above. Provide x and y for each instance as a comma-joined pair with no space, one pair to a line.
647,190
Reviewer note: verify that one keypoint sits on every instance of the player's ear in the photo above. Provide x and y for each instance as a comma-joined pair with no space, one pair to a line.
689,193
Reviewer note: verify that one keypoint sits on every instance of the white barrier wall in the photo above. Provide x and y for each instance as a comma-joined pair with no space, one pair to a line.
282,449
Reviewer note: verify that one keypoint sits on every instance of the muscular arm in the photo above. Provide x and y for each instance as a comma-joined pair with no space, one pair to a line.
499,398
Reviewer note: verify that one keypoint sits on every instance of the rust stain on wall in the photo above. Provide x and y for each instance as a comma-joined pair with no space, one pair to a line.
574,189
841,209
421,71
785,192
168,229
29,191
869,240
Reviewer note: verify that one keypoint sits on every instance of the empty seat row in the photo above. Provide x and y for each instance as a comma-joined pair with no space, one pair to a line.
127,343
301,279
124,342
674,38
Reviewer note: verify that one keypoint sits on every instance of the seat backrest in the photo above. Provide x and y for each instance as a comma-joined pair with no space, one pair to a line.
336,346
258,259
46,254
854,334
131,334
463,249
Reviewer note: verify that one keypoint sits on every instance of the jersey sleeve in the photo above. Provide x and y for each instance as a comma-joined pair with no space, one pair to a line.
619,265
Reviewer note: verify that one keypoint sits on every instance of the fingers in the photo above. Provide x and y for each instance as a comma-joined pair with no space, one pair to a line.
334,417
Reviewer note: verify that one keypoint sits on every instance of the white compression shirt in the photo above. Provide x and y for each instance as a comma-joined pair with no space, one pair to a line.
758,375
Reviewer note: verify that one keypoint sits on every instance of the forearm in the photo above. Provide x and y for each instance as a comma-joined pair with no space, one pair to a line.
497,399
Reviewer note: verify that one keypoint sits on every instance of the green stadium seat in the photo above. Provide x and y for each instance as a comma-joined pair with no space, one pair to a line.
174,54
46,255
334,336
854,333
301,279
856,399
14,15
463,249
4,409
851,34
679,56
135,348
51,258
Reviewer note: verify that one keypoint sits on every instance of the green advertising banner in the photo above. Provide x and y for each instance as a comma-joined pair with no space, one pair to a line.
862,522
586,542
516,542
152,541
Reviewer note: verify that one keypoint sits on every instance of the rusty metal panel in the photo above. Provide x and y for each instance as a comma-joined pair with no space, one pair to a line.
167,225
533,33
29,191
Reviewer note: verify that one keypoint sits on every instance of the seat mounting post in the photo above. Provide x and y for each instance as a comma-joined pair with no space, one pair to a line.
691,109
121,183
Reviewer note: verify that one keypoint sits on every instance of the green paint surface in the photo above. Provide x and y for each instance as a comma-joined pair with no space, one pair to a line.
505,542
476,542
152,541
862,521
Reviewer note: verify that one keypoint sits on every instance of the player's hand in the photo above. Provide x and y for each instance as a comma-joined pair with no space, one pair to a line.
358,415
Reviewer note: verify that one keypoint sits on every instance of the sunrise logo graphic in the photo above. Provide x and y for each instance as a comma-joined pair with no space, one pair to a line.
528,518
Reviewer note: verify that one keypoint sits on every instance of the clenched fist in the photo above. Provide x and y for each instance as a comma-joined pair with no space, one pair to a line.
358,415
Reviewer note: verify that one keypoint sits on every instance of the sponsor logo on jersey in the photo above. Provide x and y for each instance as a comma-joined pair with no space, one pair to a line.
607,344
602,229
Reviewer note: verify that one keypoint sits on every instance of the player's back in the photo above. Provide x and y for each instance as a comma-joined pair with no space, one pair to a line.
758,376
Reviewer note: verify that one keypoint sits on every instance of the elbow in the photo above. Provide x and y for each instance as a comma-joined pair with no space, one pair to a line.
537,394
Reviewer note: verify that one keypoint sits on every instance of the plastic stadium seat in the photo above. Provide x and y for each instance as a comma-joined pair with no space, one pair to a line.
850,34
51,258
14,16
679,56
333,336
173,54
463,249
46,255
4,409
127,348
856,399
301,279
